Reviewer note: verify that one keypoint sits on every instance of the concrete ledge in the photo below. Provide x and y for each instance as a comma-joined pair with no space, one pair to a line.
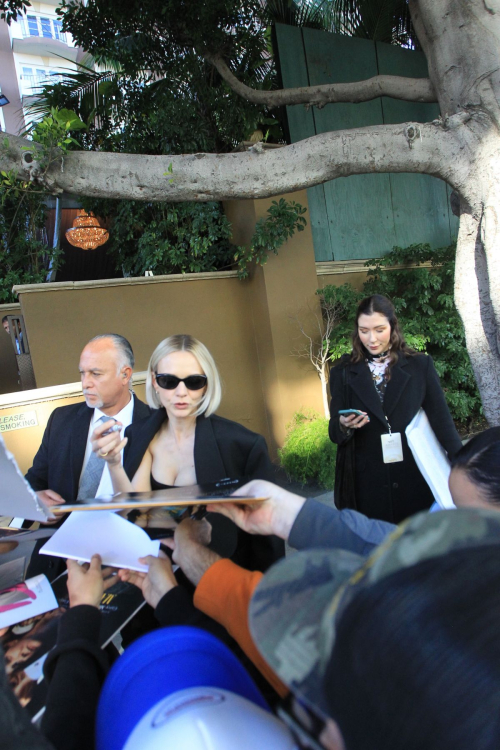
334,267
130,281
9,307
53,393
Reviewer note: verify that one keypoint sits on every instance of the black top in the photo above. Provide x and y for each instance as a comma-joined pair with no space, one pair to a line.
158,485
222,449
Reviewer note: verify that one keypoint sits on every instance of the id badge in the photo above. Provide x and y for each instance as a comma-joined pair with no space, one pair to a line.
392,450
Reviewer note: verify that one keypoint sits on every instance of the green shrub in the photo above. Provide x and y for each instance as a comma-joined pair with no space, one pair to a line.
308,455
423,298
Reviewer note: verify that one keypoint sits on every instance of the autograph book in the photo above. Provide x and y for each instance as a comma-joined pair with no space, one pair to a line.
173,499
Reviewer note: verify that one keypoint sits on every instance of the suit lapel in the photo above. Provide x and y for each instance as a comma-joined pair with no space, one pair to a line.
363,386
207,458
78,443
396,385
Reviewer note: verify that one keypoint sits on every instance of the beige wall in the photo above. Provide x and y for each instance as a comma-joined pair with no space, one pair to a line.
24,443
356,279
60,321
249,326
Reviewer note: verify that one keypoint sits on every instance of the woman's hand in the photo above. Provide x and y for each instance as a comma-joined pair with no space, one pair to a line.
353,421
108,447
154,584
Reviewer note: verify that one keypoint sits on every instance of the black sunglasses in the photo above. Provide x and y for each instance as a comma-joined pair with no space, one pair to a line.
192,382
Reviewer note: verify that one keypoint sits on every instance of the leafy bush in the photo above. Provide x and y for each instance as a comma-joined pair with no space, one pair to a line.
25,256
308,455
423,298
189,237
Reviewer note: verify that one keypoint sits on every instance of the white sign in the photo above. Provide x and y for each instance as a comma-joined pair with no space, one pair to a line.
18,421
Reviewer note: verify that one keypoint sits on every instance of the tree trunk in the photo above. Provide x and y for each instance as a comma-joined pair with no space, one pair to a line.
461,40
473,300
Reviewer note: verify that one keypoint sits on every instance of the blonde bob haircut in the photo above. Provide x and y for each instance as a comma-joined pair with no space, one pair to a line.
184,343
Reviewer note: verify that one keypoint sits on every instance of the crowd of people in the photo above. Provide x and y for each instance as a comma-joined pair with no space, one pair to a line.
377,631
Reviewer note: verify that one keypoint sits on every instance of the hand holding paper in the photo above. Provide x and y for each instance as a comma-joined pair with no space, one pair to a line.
118,542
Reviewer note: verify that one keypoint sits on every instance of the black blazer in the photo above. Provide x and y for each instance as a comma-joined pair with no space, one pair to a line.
222,449
58,463
391,492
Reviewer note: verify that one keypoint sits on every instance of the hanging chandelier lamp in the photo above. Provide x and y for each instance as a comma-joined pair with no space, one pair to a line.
86,232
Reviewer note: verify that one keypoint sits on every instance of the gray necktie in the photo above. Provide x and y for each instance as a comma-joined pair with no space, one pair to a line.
92,474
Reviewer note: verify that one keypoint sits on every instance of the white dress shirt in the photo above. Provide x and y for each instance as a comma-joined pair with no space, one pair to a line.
125,417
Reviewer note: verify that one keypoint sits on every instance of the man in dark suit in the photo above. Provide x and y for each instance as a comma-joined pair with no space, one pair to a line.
58,474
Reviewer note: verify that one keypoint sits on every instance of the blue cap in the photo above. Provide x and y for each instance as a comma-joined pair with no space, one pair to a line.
159,664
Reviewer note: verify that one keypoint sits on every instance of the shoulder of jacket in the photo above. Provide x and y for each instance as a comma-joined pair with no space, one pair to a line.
150,421
141,404
228,426
65,411
422,361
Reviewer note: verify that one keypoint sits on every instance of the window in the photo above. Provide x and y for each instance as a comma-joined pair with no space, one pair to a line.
32,81
58,30
32,26
50,28
46,27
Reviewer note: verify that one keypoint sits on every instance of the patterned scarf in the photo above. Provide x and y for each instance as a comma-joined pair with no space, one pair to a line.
378,368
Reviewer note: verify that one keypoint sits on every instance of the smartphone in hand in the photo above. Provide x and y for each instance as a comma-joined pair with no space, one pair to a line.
351,411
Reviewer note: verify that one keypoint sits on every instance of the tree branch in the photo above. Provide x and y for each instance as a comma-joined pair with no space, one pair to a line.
429,148
397,87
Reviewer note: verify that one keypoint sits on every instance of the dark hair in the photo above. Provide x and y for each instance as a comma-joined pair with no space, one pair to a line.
5,319
122,344
416,661
379,304
480,460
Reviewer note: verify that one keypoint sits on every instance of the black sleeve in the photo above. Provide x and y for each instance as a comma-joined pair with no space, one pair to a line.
253,551
38,475
336,403
259,464
176,608
75,670
437,411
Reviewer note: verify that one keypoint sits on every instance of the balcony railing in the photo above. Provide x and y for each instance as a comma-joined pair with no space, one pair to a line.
32,84
43,27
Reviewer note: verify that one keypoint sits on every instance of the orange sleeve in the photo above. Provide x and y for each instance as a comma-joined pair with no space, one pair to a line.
224,593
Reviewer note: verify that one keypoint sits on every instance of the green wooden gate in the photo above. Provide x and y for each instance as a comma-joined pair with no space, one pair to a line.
362,216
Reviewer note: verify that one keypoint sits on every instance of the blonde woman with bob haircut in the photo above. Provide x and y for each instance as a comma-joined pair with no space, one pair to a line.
213,392
184,442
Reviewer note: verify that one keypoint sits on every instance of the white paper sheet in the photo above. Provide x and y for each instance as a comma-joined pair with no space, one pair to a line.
16,496
118,542
430,458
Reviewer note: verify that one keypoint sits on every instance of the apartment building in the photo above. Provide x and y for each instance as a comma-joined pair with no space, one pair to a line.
32,49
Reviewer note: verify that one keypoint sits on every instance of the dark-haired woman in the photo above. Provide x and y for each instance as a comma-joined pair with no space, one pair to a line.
388,383
475,472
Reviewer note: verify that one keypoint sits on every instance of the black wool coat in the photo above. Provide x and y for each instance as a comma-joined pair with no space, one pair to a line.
222,449
391,492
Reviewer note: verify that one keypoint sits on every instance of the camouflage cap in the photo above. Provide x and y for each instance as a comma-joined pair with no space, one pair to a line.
296,606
